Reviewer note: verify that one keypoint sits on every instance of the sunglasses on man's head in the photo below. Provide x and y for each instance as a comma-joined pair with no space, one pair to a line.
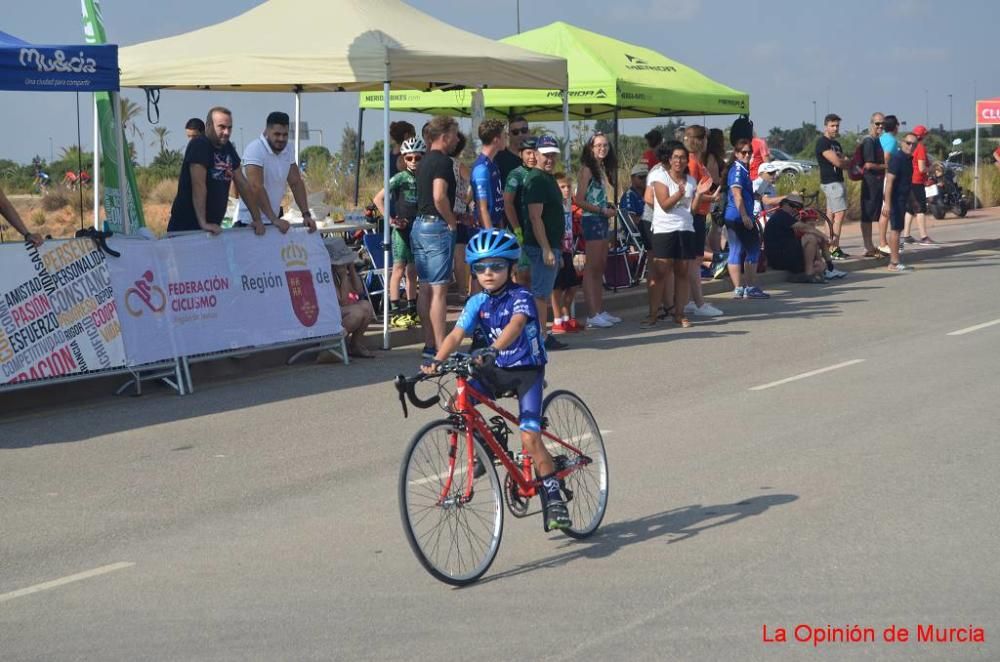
519,132
483,267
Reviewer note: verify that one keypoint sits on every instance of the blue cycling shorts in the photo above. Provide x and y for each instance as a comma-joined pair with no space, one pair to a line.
527,383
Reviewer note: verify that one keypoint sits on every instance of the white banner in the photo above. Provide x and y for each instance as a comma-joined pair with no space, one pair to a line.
57,312
194,294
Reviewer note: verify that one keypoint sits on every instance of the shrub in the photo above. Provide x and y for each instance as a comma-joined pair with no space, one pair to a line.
989,184
38,218
163,192
56,199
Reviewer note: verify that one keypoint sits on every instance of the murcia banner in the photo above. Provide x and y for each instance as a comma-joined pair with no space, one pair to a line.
197,294
58,315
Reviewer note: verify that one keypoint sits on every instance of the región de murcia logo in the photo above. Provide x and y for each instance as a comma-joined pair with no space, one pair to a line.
300,283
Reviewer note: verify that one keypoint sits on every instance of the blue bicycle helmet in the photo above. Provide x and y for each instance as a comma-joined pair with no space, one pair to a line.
492,243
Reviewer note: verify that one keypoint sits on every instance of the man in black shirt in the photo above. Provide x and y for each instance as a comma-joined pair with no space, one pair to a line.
795,246
872,182
210,165
433,235
898,180
831,159
508,159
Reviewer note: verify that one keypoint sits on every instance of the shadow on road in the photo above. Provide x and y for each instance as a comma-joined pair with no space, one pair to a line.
669,527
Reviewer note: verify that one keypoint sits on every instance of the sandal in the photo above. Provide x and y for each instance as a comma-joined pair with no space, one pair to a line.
648,323
664,313
684,322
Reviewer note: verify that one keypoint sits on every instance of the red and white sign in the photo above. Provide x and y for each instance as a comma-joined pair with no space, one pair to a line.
196,294
988,111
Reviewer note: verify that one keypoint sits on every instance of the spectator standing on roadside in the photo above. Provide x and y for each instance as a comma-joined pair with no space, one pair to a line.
402,211
761,155
653,140
741,230
195,127
872,184
567,280
509,159
514,209
466,223
715,164
918,197
660,282
487,187
8,211
399,132
898,182
695,139
268,164
890,147
433,235
211,164
598,172
543,234
831,159
676,196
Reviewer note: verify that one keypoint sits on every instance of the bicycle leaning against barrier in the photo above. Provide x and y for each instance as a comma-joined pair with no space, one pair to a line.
450,496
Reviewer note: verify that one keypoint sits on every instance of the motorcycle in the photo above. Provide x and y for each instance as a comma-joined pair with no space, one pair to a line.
950,196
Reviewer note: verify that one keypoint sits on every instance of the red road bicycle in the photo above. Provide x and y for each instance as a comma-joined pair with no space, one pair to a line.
450,498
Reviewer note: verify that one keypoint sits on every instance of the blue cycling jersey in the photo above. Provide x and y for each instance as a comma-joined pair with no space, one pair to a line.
739,177
491,313
486,185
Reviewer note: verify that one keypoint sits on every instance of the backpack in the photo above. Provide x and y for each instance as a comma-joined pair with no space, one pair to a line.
857,170
742,129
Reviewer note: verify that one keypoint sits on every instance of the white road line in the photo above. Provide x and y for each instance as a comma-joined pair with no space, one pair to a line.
56,583
962,332
811,373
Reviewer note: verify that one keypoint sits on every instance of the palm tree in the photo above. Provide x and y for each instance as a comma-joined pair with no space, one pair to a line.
129,111
161,135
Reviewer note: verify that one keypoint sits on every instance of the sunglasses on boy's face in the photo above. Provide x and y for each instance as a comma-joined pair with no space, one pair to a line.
483,267
519,132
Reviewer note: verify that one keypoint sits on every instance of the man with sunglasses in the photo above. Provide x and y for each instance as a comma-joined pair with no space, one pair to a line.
831,159
508,159
918,197
898,181
872,183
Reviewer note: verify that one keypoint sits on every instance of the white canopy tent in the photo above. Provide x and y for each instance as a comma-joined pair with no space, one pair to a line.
293,46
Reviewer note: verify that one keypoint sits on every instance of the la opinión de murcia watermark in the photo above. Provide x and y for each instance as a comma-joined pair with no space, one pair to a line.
827,635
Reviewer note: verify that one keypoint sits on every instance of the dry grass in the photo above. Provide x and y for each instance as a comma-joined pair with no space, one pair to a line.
989,184
38,218
57,198
163,192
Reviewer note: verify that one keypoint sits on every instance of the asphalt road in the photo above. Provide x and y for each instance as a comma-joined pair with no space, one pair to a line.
257,520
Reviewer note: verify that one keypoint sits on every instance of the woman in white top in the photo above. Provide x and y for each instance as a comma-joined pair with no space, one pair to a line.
675,196
667,281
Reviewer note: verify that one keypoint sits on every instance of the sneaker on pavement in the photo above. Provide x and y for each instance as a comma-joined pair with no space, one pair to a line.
839,254
885,250
558,328
707,310
599,322
830,274
611,318
755,293
573,326
557,516
926,241
399,322
908,239
899,268
739,292
552,343
690,307
719,269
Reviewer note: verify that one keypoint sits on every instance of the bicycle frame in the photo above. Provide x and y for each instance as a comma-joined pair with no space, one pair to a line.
466,397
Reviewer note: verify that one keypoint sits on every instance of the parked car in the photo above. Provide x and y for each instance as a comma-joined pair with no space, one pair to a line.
789,166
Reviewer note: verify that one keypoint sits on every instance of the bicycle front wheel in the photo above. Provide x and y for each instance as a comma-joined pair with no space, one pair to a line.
569,419
454,534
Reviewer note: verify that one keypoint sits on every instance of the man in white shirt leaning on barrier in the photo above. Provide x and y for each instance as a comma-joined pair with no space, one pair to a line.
269,165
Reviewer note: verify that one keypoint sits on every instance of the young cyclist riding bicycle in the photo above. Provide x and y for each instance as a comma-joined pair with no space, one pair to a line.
505,314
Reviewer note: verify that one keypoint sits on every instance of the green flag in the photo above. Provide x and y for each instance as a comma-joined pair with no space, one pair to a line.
114,160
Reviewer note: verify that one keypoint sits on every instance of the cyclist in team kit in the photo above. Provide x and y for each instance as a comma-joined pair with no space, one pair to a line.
505,314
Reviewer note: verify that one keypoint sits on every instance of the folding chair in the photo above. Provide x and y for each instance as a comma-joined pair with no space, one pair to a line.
374,275
630,237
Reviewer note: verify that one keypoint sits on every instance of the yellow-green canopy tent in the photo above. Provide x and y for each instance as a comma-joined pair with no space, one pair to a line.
605,75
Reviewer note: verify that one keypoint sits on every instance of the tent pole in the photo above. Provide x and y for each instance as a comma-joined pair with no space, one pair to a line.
975,178
357,156
123,188
386,155
97,168
79,157
624,256
298,124
566,148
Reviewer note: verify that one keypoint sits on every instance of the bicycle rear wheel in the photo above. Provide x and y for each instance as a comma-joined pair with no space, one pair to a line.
454,539
569,419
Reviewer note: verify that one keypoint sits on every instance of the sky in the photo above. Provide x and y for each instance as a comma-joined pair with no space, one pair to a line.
854,57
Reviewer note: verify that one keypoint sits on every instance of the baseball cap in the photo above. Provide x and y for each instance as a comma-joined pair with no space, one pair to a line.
528,143
339,251
920,131
768,167
640,169
547,145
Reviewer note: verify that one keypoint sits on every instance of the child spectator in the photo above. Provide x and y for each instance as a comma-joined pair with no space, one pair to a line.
567,280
